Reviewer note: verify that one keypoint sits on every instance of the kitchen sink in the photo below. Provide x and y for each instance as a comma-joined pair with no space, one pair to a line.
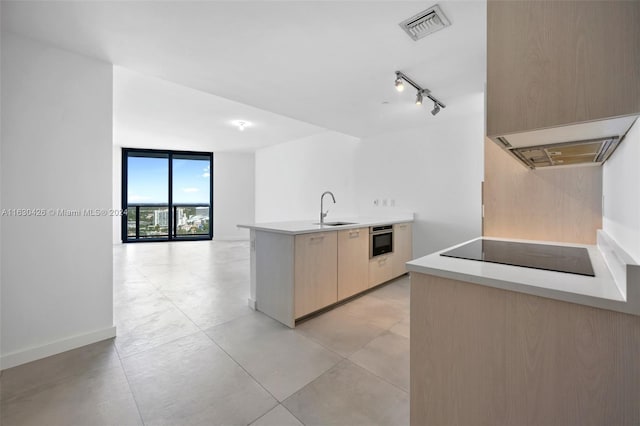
337,223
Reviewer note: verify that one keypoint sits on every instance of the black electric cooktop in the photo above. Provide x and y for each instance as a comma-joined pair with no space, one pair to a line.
573,260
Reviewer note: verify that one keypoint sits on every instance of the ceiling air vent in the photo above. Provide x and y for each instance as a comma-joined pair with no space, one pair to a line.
425,23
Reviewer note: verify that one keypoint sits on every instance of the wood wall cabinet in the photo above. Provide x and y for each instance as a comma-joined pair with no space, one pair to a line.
552,63
353,262
380,269
402,248
315,271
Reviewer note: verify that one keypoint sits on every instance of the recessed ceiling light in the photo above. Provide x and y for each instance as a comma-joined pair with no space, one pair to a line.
241,124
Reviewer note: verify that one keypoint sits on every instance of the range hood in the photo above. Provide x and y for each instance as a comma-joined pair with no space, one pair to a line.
581,144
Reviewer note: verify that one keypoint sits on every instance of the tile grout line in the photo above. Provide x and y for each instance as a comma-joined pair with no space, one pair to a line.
225,352
312,339
289,411
376,375
126,376
381,378
348,358
248,374
388,330
384,330
279,405
160,290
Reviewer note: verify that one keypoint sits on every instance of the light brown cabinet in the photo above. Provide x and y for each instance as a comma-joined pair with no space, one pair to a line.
297,275
402,248
353,264
498,357
315,271
552,63
380,269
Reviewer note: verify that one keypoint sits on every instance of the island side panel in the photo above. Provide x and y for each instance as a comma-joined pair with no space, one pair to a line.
252,268
274,275
486,356
457,353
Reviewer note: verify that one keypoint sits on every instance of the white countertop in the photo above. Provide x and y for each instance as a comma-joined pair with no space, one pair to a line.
310,226
601,291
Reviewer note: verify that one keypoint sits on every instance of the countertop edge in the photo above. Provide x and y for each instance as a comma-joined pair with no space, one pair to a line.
630,306
310,228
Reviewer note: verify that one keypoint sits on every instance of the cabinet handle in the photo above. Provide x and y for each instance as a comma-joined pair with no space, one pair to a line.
319,237
382,260
354,233
402,226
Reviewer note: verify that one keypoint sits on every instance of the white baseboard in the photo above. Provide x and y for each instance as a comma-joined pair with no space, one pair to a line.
32,354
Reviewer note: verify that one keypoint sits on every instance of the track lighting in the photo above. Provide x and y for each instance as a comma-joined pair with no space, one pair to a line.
399,84
401,78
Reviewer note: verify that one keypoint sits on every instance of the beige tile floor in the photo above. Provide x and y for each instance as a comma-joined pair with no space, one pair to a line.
190,352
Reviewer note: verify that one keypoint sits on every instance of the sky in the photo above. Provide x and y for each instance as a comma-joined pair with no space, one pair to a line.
147,180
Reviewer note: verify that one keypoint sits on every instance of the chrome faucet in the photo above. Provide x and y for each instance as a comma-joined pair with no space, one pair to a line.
323,214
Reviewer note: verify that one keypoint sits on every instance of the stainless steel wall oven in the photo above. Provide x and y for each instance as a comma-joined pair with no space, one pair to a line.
380,240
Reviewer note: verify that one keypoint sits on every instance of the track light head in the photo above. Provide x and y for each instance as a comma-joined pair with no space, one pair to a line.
436,108
419,97
399,84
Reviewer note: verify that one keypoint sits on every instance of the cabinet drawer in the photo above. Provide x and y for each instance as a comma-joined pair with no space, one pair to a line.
353,262
315,271
402,248
380,269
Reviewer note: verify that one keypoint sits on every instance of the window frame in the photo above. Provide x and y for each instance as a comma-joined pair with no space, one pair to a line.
169,154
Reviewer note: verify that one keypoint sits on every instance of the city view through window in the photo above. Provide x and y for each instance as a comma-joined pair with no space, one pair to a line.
168,195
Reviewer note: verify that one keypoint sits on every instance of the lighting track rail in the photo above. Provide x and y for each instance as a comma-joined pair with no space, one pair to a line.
402,77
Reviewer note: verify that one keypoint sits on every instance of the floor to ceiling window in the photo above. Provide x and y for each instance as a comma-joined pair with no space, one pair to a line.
167,195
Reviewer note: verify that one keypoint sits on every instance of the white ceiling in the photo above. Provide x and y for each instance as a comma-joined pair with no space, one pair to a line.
328,63
154,113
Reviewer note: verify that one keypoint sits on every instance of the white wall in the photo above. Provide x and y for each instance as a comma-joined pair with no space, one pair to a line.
290,177
233,194
435,171
56,154
621,192
116,198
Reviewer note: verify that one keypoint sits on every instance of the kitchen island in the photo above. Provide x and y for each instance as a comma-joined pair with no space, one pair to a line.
299,268
500,344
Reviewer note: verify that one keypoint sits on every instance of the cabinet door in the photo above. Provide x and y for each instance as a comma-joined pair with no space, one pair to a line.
380,269
402,248
353,262
552,63
315,271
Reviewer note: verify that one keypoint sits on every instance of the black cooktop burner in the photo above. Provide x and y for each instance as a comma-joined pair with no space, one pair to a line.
573,260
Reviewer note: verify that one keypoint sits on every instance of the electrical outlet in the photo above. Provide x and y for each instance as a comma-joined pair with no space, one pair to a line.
376,202
385,202
393,203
